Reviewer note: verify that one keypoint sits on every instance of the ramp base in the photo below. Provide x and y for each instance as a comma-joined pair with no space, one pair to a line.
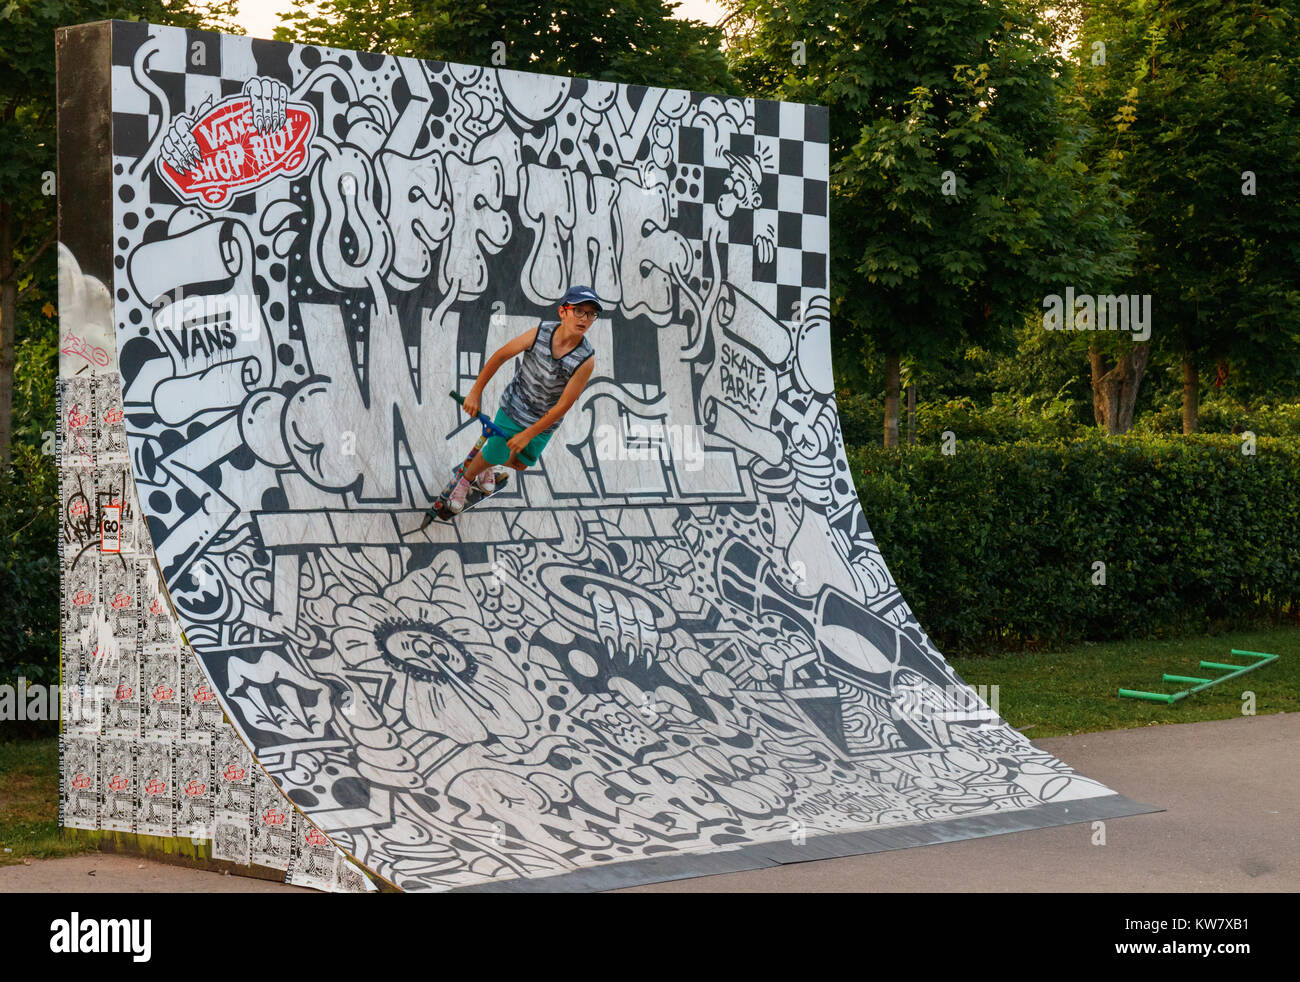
782,852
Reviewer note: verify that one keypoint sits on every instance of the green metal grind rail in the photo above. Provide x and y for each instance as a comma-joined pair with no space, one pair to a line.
1200,684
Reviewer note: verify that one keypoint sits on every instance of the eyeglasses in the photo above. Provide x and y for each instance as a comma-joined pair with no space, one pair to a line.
589,315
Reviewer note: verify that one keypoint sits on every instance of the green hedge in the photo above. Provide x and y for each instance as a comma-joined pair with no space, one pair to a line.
29,517
994,545
1221,415
1005,420
29,569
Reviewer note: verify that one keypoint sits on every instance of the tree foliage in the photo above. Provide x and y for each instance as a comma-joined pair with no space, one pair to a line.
637,41
27,149
958,194
1195,106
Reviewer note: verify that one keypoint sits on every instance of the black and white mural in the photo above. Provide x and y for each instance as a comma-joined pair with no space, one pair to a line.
675,634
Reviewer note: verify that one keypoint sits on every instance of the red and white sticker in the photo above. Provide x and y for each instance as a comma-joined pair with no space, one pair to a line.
238,144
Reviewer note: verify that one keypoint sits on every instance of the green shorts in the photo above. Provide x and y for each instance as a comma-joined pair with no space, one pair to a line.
531,453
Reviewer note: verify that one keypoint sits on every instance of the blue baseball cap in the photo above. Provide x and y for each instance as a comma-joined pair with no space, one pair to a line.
580,294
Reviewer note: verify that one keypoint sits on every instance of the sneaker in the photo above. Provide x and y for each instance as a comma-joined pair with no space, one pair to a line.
486,480
456,500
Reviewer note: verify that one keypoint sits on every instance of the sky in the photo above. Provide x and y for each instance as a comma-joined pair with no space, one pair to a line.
260,17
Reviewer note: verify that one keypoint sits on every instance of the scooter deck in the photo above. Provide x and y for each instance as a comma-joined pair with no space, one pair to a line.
440,511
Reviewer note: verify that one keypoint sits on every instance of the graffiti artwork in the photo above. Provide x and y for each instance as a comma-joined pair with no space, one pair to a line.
674,635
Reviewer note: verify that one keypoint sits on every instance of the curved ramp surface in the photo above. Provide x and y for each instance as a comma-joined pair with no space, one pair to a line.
673,648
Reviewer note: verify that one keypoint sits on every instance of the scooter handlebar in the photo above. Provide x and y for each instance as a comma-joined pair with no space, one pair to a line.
488,425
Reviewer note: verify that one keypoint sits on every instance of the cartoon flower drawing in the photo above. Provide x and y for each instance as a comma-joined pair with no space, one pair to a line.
419,661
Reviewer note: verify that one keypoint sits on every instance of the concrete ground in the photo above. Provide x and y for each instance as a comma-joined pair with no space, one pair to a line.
100,872
1230,790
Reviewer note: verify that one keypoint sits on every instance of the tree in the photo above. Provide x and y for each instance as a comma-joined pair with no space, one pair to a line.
27,150
635,41
956,183
1196,106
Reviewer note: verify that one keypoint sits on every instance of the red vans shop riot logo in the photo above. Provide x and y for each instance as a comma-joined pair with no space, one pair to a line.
239,144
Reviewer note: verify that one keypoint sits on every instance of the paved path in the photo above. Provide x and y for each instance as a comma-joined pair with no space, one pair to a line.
1230,790
100,872
1231,794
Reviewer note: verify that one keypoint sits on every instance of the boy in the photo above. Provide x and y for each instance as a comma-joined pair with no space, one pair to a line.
556,365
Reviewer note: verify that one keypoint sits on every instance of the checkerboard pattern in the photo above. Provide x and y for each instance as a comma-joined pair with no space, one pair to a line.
795,199
791,143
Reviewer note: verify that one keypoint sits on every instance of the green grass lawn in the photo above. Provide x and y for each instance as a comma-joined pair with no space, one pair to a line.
1042,694
1074,691
29,802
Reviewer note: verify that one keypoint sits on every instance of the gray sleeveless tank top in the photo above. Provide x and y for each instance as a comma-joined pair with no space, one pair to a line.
540,377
